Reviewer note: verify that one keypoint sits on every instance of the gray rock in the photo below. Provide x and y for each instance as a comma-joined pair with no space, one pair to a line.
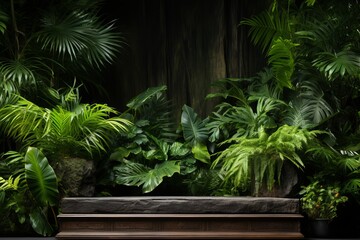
171,204
76,176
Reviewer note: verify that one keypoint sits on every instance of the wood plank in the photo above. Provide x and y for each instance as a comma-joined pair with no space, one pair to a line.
178,215
179,235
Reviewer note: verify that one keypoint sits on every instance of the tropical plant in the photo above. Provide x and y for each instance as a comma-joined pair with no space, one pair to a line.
337,167
78,130
247,104
311,29
303,85
52,44
147,157
320,200
29,196
260,159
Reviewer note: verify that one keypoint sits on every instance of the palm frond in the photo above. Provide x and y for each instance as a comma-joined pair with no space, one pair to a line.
3,21
267,27
282,61
296,115
310,108
314,101
21,120
345,62
352,186
73,37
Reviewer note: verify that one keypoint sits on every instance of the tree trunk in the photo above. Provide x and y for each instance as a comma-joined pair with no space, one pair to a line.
185,44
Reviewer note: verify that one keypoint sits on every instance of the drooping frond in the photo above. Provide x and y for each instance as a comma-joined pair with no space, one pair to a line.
282,61
73,37
263,156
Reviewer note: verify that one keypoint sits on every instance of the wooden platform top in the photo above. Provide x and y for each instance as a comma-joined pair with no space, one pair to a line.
179,204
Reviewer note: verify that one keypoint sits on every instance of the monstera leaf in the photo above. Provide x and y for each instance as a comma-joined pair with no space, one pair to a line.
137,174
40,177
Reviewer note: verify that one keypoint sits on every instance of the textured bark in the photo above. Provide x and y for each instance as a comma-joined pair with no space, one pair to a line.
185,44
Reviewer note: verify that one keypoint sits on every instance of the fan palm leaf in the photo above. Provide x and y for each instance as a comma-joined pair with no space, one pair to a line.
338,64
73,37
310,108
58,41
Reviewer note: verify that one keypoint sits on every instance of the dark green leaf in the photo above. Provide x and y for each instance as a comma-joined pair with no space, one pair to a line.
41,177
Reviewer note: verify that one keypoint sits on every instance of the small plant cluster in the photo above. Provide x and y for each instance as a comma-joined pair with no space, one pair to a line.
321,201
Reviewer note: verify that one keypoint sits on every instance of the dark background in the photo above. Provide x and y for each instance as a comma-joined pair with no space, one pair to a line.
184,44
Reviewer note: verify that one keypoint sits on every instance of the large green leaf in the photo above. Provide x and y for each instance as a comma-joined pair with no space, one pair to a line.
40,177
201,153
194,129
136,174
139,100
40,223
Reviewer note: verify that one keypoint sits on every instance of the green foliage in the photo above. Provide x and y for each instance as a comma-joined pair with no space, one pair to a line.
259,107
153,150
53,44
194,129
282,60
86,130
136,174
41,178
309,109
29,195
340,167
319,200
261,159
9,184
267,27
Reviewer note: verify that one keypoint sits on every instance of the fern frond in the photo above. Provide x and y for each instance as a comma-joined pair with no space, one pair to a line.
9,184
